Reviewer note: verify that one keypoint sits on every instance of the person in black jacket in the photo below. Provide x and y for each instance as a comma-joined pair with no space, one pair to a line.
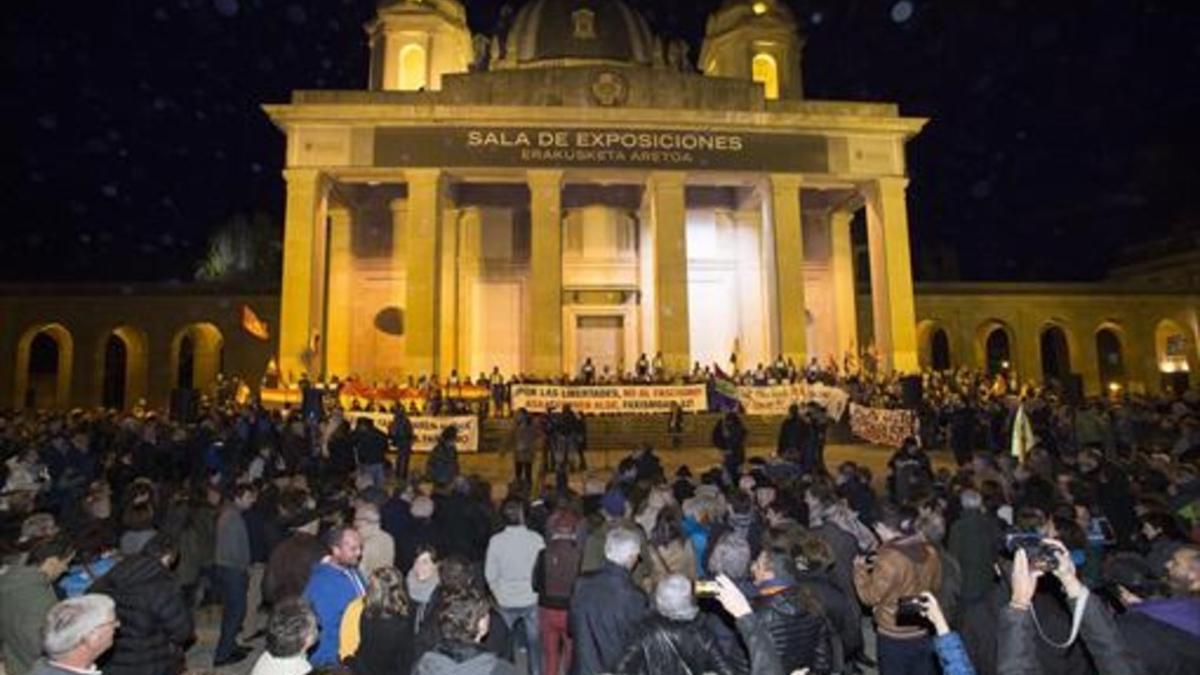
385,632
607,606
791,434
673,641
370,450
791,615
156,624
729,436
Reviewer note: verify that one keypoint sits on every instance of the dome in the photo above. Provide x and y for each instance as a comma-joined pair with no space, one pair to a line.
556,30
734,13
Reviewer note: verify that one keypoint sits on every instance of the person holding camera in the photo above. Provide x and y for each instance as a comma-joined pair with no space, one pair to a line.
951,653
1019,629
905,565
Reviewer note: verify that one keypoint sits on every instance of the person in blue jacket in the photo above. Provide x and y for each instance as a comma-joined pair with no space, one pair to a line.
334,584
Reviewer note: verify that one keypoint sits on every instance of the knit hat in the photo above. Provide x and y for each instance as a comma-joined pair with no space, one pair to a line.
614,503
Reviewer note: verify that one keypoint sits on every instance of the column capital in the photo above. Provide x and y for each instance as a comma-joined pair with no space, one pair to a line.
424,175
666,179
785,181
872,188
544,178
303,175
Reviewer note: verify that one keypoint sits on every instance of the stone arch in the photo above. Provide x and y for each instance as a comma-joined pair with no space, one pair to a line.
933,340
125,382
1110,356
1175,353
1055,351
764,69
414,68
197,352
44,389
995,347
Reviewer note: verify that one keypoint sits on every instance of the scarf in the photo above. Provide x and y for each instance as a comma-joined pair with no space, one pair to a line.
421,591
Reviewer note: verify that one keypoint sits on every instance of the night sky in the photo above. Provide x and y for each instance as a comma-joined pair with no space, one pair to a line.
1061,131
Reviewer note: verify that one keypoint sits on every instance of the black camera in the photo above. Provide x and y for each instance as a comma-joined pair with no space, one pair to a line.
910,610
1041,556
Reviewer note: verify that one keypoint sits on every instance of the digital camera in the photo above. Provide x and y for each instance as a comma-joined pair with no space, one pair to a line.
1041,556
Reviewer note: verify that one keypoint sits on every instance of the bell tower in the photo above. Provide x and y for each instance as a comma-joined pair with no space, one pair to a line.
755,40
415,42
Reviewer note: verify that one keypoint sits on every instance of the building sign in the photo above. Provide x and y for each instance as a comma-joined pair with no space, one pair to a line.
427,430
614,400
523,147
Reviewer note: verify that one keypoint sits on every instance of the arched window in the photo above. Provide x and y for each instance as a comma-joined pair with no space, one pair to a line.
413,68
185,374
939,350
1056,355
1108,352
116,361
765,70
999,355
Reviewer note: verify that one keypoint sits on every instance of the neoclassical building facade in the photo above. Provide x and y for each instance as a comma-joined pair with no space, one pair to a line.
574,186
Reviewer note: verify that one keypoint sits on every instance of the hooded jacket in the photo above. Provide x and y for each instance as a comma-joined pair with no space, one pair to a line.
462,659
906,566
155,622
25,597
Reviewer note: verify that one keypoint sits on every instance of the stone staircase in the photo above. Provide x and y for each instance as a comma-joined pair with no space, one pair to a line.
623,433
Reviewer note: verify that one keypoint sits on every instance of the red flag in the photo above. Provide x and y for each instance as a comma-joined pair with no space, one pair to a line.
254,325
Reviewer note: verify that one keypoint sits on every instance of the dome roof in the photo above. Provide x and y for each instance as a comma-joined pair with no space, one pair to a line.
553,30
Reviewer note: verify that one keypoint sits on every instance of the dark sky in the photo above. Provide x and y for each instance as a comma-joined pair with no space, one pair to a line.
1062,130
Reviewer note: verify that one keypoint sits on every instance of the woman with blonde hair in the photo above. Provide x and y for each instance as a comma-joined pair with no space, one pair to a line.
376,634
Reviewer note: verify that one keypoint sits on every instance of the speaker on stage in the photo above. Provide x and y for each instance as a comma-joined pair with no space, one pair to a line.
1073,388
183,405
912,390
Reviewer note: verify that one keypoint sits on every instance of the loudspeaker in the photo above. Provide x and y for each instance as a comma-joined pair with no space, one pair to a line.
183,405
912,390
1073,388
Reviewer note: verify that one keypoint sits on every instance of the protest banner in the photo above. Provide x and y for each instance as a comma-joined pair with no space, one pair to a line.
775,399
427,429
883,426
610,400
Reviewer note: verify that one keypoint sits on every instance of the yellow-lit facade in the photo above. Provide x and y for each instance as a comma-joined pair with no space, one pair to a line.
579,187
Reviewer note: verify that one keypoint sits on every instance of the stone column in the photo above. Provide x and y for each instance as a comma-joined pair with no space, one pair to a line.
337,313
891,273
450,327
545,273
783,205
668,212
422,256
841,263
302,286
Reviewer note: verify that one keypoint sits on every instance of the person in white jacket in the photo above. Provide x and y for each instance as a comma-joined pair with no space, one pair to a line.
511,555
379,549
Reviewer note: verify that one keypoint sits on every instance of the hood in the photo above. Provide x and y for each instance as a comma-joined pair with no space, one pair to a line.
136,570
914,548
456,660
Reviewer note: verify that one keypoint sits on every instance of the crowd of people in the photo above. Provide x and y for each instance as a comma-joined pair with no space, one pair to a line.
1081,556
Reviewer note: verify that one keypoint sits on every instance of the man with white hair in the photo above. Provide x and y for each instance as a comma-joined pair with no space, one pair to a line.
77,631
973,541
673,641
607,606
378,547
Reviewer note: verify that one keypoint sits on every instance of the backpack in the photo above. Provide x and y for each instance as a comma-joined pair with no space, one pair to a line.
562,560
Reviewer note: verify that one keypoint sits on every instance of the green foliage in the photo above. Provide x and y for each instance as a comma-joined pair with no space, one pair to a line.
245,249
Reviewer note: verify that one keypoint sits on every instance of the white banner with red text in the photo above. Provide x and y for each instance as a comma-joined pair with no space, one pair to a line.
883,426
427,430
775,399
610,400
